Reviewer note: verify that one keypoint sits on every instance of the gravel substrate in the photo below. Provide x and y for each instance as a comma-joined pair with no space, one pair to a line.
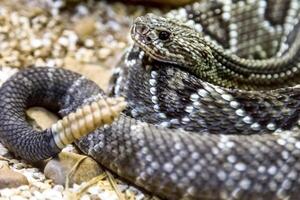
87,37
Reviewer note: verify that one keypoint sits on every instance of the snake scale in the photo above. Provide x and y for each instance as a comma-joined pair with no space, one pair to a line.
212,104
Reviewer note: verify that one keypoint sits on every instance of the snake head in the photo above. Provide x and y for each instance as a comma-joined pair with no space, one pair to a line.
169,41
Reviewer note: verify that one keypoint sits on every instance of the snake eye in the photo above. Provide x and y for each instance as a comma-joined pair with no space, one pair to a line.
148,39
164,35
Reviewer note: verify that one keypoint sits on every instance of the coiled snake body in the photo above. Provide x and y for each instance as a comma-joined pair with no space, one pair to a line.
180,136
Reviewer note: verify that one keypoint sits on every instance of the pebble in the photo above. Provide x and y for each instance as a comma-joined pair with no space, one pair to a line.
58,188
23,188
19,165
26,194
108,195
139,197
7,192
122,188
95,197
104,53
94,190
14,161
3,151
52,194
70,148
41,185
18,197
85,197
38,176
85,27
38,194
89,43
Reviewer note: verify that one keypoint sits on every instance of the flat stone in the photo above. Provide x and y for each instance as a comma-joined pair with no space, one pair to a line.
60,167
10,178
92,72
41,118
4,151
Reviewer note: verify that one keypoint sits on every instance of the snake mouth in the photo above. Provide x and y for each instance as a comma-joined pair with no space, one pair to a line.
154,54
139,34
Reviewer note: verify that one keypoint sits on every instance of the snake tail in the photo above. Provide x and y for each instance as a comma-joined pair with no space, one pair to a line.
60,95
86,119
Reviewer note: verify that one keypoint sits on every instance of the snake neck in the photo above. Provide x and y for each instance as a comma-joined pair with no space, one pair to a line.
228,70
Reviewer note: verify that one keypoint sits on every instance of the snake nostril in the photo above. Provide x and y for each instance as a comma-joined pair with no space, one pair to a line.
148,39
141,29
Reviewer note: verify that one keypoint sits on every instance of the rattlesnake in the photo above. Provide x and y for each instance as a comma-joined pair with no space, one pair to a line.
182,137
